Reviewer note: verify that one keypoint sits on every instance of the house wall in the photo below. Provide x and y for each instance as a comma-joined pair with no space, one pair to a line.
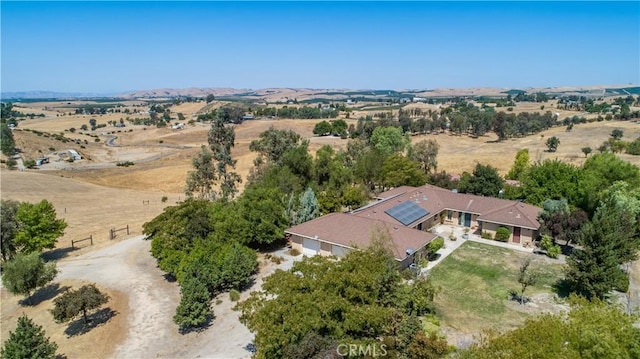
326,249
296,243
527,236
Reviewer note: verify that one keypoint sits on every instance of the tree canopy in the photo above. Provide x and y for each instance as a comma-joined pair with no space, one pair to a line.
358,299
27,272
28,341
75,302
589,330
38,227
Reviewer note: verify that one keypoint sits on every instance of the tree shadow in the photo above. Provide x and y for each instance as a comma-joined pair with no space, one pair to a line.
56,254
199,328
561,288
515,296
45,293
79,327
170,277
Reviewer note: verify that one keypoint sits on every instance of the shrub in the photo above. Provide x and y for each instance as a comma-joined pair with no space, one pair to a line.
485,235
234,295
52,149
11,163
546,243
435,245
96,140
294,252
554,251
125,164
502,234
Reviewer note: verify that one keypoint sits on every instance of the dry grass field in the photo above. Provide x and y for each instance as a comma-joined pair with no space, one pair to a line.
94,195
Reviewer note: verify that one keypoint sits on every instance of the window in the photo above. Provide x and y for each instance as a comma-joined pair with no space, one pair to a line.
449,214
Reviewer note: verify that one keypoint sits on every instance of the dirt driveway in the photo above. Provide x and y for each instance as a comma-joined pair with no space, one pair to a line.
128,267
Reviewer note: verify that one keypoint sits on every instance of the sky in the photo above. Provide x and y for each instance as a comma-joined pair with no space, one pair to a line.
112,47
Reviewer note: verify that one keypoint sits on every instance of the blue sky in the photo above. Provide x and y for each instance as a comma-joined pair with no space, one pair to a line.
121,46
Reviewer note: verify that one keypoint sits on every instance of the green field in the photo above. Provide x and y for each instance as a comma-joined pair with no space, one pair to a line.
475,282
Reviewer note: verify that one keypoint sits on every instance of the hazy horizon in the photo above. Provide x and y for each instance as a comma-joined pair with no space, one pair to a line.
117,47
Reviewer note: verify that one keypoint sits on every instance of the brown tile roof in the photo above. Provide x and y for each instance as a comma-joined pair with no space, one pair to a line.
435,199
356,232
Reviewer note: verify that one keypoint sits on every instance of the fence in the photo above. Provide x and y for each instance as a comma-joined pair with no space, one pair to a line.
113,231
74,241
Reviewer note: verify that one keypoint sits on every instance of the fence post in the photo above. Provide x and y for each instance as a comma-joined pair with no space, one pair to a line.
91,237
72,247
127,229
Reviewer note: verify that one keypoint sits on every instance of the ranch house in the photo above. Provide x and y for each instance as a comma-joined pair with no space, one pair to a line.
408,214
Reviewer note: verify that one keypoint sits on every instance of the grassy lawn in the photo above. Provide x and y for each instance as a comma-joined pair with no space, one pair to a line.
475,282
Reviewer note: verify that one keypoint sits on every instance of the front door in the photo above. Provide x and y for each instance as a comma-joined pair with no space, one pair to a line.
516,234
467,219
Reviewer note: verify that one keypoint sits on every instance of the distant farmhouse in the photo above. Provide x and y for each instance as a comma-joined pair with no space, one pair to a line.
408,213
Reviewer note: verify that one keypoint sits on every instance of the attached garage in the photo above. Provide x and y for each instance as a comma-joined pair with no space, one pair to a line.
310,247
339,251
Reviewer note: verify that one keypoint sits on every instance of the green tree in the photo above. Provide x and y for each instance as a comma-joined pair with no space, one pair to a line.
389,140
7,143
38,227
8,228
586,151
527,277
553,143
221,139
590,330
485,181
202,179
322,128
360,298
26,272
553,179
425,153
520,165
399,171
610,240
633,148
75,302
194,310
299,161
28,341
617,134
303,208
273,143
339,128
264,210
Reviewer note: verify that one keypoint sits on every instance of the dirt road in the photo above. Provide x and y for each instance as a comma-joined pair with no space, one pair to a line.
127,266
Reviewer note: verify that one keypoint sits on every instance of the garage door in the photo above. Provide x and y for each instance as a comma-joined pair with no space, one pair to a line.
310,247
339,251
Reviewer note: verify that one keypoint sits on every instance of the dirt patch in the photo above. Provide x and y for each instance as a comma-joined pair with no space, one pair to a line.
100,338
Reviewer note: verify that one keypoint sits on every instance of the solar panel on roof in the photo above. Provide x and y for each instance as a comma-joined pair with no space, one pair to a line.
407,212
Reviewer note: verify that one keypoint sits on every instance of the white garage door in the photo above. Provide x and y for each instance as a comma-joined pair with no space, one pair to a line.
339,251
310,247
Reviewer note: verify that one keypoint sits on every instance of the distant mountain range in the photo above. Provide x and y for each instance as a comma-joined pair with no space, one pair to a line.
301,94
